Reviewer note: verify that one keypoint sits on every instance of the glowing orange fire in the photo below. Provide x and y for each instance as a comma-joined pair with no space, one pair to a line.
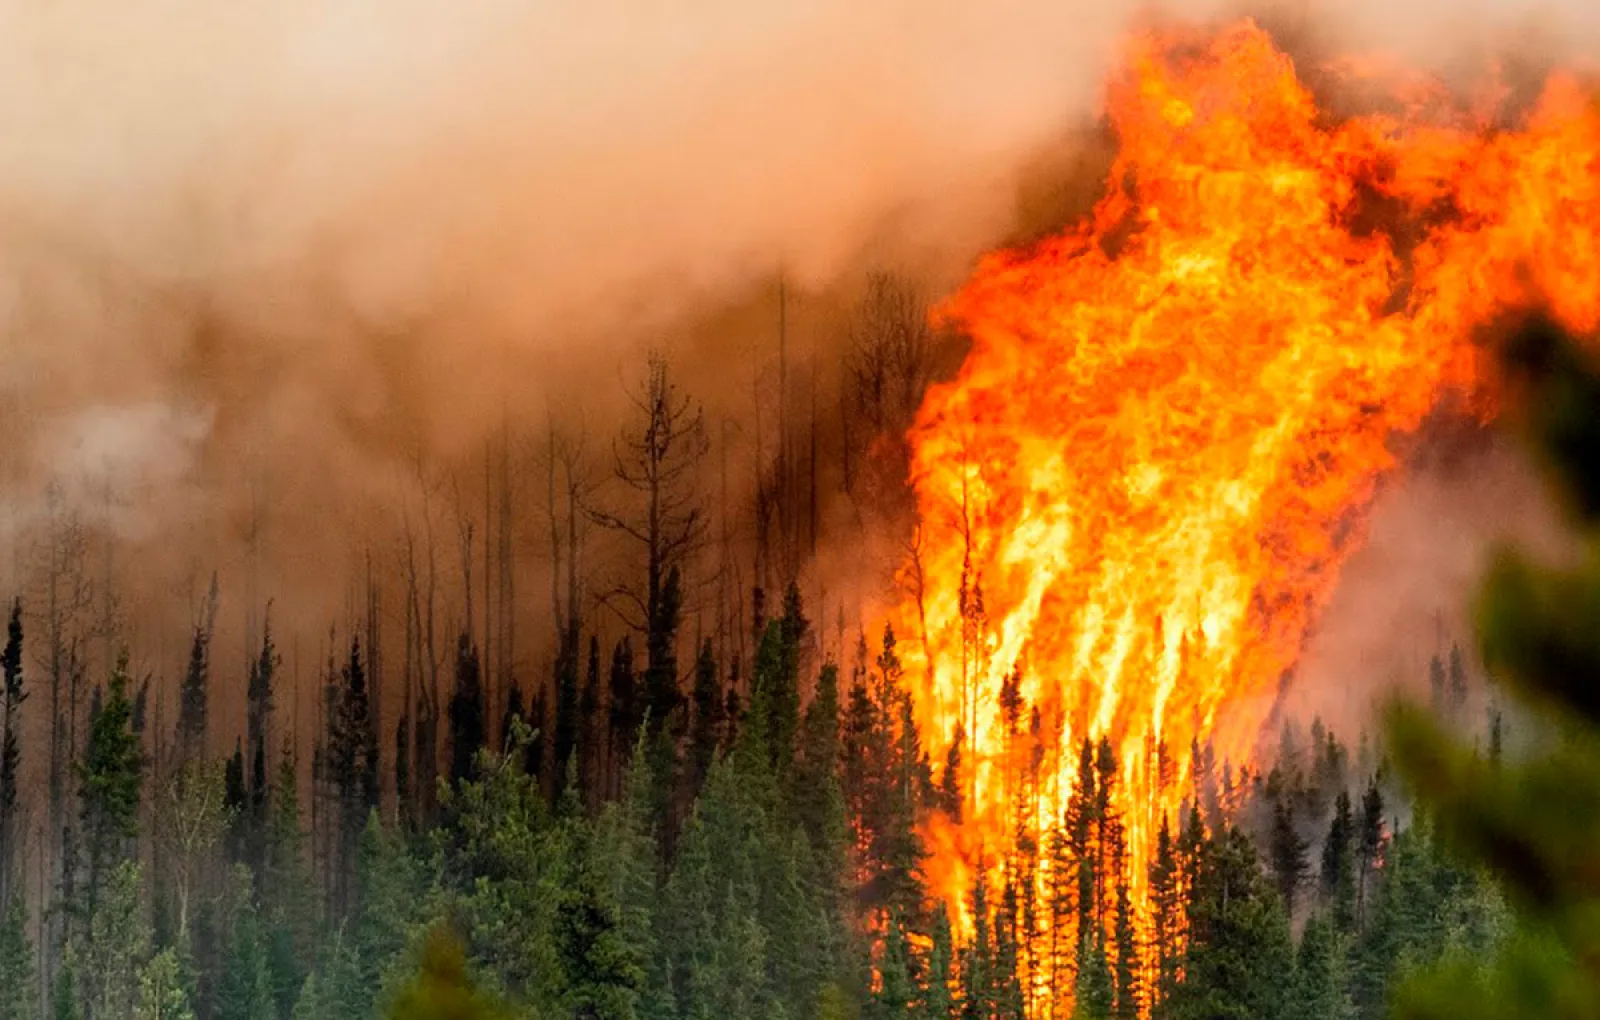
1139,490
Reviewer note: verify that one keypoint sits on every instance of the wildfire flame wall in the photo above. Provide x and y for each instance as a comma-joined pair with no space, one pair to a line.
1138,492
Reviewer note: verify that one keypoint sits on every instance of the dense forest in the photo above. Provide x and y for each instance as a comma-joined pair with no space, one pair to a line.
664,827
702,854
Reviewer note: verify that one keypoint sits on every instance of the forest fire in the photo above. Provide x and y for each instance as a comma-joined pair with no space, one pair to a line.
1138,492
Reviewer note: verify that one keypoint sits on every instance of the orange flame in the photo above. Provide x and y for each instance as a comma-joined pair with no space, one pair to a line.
1137,494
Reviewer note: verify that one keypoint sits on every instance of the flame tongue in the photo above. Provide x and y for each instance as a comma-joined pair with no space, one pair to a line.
1138,492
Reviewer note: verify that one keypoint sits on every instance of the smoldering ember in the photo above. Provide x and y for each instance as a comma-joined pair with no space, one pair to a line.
970,512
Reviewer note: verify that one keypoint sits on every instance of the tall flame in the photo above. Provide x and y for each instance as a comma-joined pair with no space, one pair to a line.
1137,494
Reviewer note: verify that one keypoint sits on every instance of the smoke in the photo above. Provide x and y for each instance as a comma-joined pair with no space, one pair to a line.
258,261
1408,593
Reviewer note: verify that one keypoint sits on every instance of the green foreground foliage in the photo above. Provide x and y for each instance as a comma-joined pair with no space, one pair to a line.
1535,822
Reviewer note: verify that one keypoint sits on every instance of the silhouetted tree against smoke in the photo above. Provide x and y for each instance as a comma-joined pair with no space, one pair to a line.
12,695
658,458
194,696
891,358
258,718
352,767
468,727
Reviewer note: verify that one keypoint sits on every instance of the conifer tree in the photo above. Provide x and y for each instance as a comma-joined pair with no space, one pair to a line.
16,964
894,993
1129,987
258,721
110,776
1289,853
1337,876
1094,991
1369,847
194,697
352,764
1320,989
467,723
1166,916
12,696
937,1001
245,991
705,734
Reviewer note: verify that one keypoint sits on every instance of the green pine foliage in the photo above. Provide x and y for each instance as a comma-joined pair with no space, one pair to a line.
755,845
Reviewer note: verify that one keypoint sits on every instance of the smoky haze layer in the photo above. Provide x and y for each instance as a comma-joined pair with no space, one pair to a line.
259,262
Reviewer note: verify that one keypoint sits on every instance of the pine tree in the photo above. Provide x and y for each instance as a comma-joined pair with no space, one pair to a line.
661,640
937,1003
110,775
1337,878
604,971
245,991
1320,990
567,666
626,857
705,734
352,766
11,698
978,978
1129,987
627,715
1238,950
194,697
286,887
16,964
258,720
1289,853
1166,910
467,724
892,998
1094,992
1369,846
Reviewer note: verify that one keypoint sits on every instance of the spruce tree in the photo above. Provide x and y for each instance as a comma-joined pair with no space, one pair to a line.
110,776
194,696
1166,916
12,696
467,722
1289,854
937,1001
352,766
258,719
17,964
705,734
245,990
1337,875
892,998
1320,988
